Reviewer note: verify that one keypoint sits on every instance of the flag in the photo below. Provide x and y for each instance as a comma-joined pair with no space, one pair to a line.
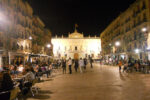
76,25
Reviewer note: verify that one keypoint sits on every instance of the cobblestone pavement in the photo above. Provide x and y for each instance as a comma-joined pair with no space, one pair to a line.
99,83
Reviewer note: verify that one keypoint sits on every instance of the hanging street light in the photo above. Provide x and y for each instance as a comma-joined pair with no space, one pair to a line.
137,51
144,29
48,45
117,43
30,38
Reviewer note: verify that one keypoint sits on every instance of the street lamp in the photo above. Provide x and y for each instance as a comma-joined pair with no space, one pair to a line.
117,43
48,45
137,50
144,29
30,38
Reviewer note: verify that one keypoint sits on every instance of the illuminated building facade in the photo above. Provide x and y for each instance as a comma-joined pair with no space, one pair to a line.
127,28
19,29
76,46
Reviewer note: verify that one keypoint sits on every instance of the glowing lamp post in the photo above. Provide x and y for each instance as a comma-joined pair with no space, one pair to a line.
117,43
144,29
49,52
48,45
137,51
30,38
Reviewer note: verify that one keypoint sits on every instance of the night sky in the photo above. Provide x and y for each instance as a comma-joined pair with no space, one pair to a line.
92,16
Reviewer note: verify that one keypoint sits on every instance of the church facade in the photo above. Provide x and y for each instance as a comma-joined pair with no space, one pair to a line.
76,46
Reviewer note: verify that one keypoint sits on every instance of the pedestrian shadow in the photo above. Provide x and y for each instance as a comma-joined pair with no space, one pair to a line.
49,79
53,76
40,81
121,76
45,92
41,97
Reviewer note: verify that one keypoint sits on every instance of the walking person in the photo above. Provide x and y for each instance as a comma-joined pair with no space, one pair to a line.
64,66
91,62
125,66
85,63
136,65
81,65
50,69
120,64
76,65
70,64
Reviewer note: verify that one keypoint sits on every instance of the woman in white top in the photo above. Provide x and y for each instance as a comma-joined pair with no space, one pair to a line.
81,64
70,64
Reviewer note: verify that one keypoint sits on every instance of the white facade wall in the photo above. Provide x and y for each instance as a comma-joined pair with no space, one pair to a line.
85,46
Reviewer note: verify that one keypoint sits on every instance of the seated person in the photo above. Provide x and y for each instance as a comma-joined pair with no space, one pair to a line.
29,76
36,68
6,82
12,69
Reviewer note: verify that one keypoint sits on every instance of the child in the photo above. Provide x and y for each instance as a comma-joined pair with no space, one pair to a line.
120,64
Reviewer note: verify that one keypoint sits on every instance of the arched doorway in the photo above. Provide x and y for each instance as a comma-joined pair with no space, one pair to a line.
76,56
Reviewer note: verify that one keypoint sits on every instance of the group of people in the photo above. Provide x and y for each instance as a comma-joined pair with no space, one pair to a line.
80,64
130,65
27,75
31,72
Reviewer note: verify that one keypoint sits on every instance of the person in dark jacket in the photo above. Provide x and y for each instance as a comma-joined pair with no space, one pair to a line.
6,82
76,65
91,62
64,66
85,63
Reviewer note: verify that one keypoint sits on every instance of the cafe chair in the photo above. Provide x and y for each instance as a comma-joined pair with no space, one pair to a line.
34,88
14,93
5,95
39,76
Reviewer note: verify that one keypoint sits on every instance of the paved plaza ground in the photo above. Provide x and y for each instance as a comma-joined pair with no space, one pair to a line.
99,83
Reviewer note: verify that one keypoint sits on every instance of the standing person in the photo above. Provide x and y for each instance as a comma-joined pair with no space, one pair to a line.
85,63
139,65
50,69
81,64
76,65
91,61
125,66
64,66
70,64
101,62
136,65
120,64
59,63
